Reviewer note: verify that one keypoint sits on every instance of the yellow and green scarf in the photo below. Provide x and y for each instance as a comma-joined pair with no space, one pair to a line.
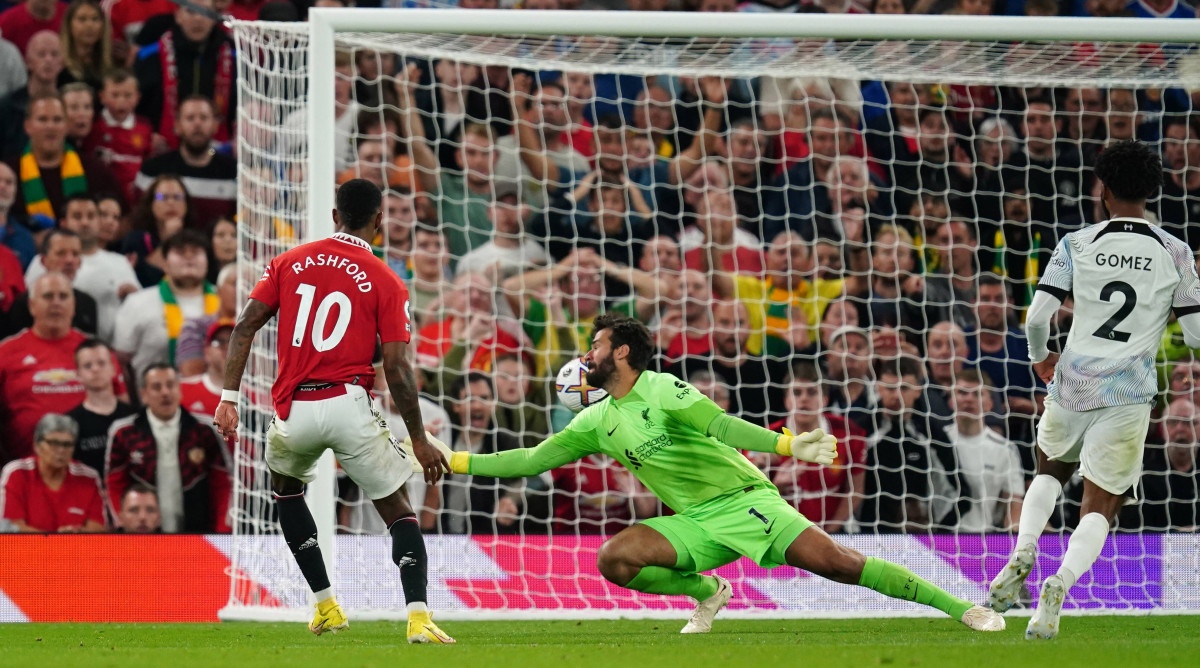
73,181
174,315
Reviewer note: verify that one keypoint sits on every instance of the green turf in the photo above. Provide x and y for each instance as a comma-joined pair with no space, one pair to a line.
1127,642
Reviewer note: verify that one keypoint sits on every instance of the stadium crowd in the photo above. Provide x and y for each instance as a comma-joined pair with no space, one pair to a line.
807,252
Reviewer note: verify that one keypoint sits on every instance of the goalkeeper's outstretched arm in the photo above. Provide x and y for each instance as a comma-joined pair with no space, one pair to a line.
523,462
811,446
703,415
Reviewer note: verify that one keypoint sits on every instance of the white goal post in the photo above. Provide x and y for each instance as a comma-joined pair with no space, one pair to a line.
298,62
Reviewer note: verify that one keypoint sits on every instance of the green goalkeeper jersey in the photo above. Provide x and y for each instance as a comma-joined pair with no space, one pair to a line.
658,431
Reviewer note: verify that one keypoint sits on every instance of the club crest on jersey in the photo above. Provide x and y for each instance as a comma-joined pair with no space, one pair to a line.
646,416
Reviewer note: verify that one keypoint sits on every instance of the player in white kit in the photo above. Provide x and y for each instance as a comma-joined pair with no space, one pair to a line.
1126,276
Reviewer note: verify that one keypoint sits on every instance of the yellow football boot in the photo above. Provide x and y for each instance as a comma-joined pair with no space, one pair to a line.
421,629
329,617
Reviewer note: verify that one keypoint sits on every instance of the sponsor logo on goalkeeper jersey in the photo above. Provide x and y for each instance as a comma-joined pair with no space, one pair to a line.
645,451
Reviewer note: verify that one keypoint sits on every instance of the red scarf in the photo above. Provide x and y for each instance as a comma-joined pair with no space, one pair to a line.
222,87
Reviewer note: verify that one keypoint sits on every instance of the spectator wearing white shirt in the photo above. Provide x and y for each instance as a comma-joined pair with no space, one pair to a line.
989,463
509,251
150,320
105,276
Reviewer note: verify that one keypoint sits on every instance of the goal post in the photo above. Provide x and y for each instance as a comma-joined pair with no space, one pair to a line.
292,147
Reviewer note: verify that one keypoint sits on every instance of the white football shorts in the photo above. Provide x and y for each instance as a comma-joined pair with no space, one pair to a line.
1107,442
351,427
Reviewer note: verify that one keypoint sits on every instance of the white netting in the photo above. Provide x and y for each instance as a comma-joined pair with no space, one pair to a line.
837,204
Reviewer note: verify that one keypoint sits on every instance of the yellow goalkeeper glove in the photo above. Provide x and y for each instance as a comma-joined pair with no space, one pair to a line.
451,456
812,446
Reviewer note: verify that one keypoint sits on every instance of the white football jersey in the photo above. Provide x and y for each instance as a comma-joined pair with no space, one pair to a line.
1126,276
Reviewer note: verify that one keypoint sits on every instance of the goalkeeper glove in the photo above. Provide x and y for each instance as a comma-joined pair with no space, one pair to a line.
459,458
812,446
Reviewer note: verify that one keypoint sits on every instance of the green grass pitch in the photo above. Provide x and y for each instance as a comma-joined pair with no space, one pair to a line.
1128,642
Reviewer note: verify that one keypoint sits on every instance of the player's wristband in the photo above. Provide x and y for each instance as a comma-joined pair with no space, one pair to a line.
783,444
460,462
231,396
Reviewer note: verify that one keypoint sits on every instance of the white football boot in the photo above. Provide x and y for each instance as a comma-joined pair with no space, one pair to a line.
702,618
1005,590
980,618
1044,623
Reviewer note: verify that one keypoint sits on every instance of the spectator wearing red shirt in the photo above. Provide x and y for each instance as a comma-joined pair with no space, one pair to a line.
717,238
49,492
596,495
12,280
580,93
470,322
120,138
827,495
21,22
694,335
37,366
245,10
128,16
200,395
192,58
169,451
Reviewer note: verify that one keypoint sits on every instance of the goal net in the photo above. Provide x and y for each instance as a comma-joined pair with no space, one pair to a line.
818,231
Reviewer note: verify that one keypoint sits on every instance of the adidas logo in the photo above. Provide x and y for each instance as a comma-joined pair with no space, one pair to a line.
311,542
405,561
29,359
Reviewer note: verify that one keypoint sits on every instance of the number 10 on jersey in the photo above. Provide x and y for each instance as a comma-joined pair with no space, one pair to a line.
321,342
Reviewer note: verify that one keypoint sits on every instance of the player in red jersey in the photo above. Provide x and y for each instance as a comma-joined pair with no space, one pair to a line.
334,299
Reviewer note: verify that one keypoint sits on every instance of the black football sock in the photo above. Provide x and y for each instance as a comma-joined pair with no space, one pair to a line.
300,532
408,553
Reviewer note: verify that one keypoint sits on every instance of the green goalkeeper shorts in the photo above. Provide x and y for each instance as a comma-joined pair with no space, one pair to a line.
755,522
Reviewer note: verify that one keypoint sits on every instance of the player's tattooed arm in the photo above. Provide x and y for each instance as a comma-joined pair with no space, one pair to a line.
254,316
402,383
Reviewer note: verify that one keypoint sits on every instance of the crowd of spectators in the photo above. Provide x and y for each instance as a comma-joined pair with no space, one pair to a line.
808,252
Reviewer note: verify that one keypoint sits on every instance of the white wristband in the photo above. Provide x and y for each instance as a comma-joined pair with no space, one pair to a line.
230,396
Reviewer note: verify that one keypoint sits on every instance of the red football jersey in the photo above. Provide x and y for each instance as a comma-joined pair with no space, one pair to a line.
24,496
127,16
334,299
121,147
200,397
37,376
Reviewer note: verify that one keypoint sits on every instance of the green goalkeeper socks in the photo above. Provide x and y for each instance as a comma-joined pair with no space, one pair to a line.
898,582
659,580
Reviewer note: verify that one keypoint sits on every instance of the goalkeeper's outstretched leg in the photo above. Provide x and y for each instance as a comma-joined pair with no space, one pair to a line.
648,560
814,551
643,559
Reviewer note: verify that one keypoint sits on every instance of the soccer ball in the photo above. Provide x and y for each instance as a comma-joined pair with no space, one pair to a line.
573,390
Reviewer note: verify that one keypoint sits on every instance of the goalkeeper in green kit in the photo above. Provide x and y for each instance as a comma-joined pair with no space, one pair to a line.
682,447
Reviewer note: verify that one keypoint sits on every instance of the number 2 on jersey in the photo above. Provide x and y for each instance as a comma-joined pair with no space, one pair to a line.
322,343
1109,329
